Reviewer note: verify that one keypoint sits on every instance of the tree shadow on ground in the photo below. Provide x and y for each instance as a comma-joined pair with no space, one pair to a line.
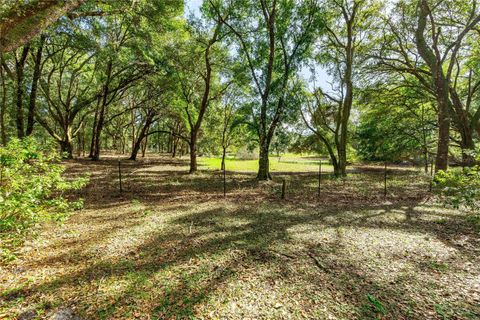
206,242
154,181
192,260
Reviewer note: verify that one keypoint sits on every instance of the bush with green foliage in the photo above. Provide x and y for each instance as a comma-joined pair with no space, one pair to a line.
459,188
32,189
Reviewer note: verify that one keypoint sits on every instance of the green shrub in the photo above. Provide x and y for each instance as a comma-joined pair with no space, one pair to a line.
459,188
31,189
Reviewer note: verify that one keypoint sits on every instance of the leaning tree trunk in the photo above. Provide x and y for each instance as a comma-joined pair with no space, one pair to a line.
135,149
141,135
2,108
441,160
29,18
336,168
94,129
466,131
20,67
33,90
195,127
133,141
101,116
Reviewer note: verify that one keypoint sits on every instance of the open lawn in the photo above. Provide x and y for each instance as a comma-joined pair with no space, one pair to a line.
172,247
287,163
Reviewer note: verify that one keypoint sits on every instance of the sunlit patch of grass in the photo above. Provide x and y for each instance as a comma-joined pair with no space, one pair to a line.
439,266
289,163
374,308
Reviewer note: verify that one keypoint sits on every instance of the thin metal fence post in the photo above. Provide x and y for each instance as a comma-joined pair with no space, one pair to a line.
319,177
431,176
224,181
120,175
385,181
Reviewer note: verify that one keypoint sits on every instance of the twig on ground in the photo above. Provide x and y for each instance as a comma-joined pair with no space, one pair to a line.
284,254
317,262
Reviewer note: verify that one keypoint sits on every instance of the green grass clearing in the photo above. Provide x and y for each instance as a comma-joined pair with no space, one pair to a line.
287,163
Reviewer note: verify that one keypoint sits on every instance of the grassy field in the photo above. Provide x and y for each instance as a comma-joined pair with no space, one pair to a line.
286,163
172,247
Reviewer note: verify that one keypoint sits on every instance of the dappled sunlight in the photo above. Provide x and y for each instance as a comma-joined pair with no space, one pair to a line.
144,254
248,159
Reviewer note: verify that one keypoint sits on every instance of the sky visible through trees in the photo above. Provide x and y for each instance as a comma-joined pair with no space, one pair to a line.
322,78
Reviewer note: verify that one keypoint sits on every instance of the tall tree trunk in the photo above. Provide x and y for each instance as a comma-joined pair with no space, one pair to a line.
440,85
441,160
265,135
337,172
170,143
140,137
133,129
193,152
331,154
348,101
3,105
94,129
175,146
96,140
123,144
101,115
33,93
144,146
462,123
195,126
135,149
19,68
342,153
425,160
224,155
424,140
83,141
79,145
263,161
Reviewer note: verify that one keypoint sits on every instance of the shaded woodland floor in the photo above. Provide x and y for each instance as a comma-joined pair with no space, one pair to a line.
172,247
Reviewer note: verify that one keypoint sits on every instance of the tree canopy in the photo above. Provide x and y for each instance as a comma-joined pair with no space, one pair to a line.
356,79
